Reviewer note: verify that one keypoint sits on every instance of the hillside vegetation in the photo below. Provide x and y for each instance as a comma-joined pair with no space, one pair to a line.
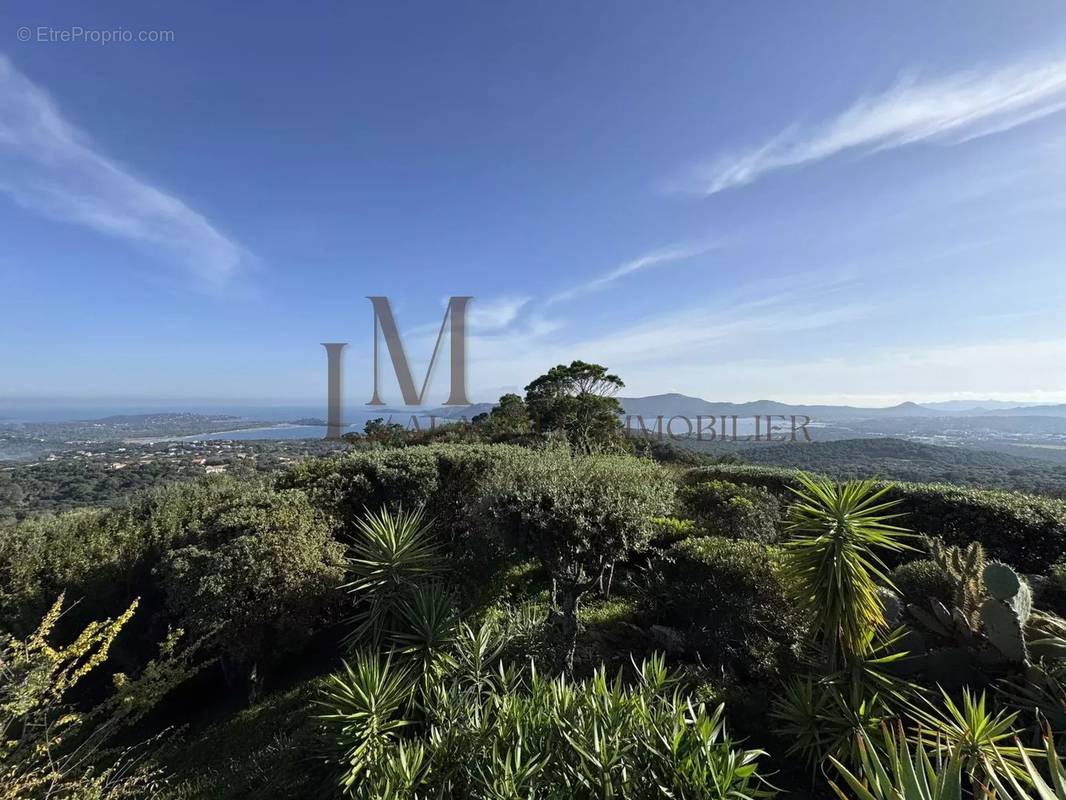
554,618
897,459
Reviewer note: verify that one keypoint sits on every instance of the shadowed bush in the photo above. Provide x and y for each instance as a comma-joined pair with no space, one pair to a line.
725,597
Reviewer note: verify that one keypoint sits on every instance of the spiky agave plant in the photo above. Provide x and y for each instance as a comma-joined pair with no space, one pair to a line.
832,562
891,770
1036,785
390,555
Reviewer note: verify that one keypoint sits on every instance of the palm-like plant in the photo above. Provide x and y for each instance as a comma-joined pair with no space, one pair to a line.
429,624
390,555
821,719
831,561
984,739
362,708
892,771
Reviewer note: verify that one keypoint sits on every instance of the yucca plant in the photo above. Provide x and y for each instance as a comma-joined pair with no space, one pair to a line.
362,710
891,770
984,739
428,624
404,770
832,562
821,720
389,557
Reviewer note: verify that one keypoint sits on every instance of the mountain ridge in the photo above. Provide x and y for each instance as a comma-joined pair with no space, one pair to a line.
676,404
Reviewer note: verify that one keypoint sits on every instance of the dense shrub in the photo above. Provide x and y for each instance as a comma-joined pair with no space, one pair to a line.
263,576
667,530
578,515
1051,592
206,534
82,551
732,510
103,558
1026,531
350,484
923,579
446,480
724,596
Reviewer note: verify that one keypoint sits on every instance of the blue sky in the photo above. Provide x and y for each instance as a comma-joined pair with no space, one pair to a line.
807,202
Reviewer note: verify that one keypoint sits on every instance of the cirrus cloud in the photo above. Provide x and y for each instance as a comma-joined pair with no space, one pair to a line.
956,108
50,167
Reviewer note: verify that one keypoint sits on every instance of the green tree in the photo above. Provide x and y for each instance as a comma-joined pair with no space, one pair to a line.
509,417
577,400
386,432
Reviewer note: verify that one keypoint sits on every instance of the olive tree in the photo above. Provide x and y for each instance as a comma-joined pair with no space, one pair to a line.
578,515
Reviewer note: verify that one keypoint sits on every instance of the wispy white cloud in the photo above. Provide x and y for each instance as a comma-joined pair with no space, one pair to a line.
50,167
495,313
956,108
656,258
663,350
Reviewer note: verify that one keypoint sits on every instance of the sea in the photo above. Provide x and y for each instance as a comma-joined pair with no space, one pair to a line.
275,417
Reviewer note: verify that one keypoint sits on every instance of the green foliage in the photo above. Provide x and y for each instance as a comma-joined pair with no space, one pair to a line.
1051,592
825,714
447,480
261,579
891,770
49,747
832,562
732,510
488,731
363,706
667,530
726,599
269,751
982,738
390,556
922,580
819,720
441,708
1025,531
509,418
578,401
427,624
577,515
182,549
1033,784
387,433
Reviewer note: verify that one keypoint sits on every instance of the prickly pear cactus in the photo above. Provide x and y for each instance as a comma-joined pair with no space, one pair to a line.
1006,611
1001,581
